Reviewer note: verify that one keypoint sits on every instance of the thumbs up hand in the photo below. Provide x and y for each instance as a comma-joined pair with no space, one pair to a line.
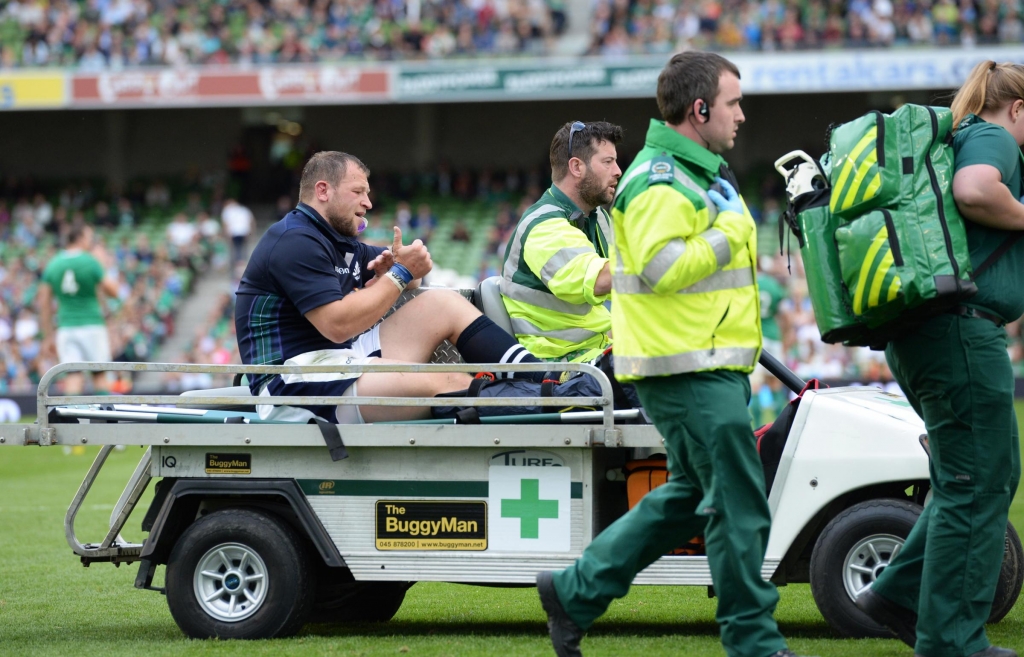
413,257
397,244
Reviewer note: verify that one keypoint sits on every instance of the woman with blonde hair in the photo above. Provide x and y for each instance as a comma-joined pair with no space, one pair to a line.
937,593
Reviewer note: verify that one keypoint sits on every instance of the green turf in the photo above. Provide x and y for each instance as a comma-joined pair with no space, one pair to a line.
50,605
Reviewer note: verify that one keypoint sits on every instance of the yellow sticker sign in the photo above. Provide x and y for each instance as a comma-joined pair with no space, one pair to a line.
228,464
420,525
33,90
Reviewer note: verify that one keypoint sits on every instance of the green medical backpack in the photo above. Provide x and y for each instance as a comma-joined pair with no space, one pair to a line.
883,243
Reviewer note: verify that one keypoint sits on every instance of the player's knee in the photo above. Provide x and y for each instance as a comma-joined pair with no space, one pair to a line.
452,382
443,297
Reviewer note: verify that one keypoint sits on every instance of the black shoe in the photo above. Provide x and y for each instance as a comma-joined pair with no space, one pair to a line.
565,634
784,653
899,620
991,651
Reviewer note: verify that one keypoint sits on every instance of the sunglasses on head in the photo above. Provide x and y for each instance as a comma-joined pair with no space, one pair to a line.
577,126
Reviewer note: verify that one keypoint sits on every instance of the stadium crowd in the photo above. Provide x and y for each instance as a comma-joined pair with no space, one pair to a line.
101,34
212,342
154,264
623,27
111,34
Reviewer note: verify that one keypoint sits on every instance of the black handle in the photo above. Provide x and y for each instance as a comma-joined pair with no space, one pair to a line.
781,372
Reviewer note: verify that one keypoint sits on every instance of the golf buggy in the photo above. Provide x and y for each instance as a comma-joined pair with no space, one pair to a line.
262,526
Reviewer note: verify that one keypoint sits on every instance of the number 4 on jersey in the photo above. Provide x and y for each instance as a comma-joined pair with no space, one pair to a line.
68,284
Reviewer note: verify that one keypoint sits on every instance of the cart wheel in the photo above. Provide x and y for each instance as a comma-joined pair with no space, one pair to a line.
359,602
239,574
1011,576
851,552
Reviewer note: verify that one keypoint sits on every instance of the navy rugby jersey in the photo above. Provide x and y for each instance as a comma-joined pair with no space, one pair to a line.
301,263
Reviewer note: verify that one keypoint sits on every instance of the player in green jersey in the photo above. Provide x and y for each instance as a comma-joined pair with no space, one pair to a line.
74,277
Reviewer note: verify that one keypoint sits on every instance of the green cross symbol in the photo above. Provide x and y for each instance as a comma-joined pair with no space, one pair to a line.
529,508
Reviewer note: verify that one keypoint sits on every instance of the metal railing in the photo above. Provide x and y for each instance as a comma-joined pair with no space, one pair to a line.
45,401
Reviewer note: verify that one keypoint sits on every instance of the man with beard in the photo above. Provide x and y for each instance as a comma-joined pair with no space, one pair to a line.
313,295
556,276
687,334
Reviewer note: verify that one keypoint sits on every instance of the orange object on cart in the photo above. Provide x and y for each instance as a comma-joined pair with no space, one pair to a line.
643,476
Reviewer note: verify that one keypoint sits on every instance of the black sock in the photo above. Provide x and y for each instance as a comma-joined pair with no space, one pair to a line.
483,341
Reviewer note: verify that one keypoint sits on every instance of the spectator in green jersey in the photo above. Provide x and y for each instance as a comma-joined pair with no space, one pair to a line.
773,293
74,278
768,395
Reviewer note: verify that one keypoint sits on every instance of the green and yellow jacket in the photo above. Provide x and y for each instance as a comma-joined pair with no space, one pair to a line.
551,265
683,299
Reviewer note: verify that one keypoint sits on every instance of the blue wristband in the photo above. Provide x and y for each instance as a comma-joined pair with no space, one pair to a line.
402,272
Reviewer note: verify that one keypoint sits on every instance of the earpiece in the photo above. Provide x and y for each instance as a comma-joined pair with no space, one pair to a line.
704,112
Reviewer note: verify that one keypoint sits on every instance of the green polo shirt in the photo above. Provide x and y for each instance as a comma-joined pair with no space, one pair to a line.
73,277
1001,286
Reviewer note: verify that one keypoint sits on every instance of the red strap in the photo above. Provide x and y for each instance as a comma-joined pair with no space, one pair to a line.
807,386
812,384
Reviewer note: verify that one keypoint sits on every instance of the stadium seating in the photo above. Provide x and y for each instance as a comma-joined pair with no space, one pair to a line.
662,26
97,34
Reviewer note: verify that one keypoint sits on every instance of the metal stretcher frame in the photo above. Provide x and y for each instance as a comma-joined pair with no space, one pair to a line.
45,401
113,548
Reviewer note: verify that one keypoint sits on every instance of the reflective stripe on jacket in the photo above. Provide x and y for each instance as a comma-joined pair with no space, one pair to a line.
551,266
682,301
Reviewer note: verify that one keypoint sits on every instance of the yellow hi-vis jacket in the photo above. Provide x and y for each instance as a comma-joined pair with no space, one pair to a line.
547,282
683,298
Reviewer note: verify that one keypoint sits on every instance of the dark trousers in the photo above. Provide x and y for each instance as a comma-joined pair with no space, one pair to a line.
237,248
716,487
956,373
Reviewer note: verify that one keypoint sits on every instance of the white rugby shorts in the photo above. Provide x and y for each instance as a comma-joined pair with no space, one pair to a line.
83,343
364,349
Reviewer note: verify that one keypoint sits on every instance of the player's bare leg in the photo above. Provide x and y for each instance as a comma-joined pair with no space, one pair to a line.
416,329
405,384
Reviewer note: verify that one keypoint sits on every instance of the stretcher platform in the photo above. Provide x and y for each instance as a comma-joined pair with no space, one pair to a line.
176,415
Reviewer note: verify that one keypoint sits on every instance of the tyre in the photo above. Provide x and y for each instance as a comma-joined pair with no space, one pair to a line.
848,556
358,602
1011,576
239,574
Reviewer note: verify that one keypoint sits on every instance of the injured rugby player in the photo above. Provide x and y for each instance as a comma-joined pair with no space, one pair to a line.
312,294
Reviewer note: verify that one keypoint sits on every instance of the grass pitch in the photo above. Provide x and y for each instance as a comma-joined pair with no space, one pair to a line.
50,605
